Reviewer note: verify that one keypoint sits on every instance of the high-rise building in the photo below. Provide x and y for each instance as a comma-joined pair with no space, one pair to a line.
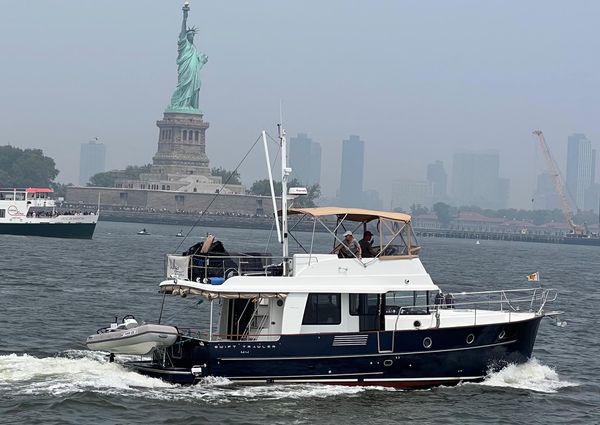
436,176
353,161
92,160
476,181
406,193
305,159
581,167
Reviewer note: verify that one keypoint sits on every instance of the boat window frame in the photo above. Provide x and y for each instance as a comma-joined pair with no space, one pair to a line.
316,322
354,306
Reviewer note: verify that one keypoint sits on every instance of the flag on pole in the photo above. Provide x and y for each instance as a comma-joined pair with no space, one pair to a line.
533,277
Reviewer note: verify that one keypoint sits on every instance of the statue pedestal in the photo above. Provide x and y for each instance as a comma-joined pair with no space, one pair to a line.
181,145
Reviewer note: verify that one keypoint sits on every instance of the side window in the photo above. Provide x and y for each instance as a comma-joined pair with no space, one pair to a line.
2,212
364,304
322,309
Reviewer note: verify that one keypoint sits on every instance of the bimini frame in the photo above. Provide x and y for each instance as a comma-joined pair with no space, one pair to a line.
400,227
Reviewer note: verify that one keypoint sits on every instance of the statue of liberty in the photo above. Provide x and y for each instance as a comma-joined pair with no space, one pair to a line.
189,64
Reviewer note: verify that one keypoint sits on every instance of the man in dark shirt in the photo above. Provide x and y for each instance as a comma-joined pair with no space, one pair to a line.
366,245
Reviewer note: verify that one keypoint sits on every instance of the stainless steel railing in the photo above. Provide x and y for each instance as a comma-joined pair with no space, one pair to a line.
531,300
225,266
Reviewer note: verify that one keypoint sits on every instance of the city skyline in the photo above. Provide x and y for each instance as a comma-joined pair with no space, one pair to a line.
396,90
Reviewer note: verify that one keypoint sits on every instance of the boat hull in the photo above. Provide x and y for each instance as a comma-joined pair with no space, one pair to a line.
52,230
398,359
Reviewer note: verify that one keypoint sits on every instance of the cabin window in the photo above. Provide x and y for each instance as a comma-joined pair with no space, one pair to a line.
407,302
2,213
322,309
367,305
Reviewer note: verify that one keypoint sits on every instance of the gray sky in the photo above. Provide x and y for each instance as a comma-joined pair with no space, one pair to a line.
416,80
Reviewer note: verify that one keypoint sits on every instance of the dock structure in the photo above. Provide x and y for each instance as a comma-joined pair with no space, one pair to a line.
498,236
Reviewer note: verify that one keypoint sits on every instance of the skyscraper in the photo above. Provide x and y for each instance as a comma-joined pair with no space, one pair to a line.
476,181
436,176
305,159
406,193
353,160
581,167
92,160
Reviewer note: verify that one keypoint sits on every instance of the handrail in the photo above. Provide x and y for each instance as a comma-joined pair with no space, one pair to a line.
537,296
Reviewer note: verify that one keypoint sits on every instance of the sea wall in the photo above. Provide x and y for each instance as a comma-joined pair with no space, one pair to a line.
170,201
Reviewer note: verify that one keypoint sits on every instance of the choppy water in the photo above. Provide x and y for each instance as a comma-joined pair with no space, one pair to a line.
54,292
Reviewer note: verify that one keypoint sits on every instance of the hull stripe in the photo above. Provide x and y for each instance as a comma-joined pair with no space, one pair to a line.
364,355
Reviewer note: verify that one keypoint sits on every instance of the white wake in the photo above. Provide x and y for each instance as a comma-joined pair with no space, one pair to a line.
531,375
85,371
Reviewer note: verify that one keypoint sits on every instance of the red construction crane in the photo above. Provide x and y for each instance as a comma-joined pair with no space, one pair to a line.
554,172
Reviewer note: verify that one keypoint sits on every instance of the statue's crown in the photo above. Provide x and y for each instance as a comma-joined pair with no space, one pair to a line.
193,30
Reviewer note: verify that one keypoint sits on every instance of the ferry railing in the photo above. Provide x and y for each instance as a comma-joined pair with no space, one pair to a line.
509,301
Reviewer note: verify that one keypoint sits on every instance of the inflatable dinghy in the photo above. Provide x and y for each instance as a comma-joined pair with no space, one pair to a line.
129,337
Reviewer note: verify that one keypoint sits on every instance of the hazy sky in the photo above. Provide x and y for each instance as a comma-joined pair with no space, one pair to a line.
417,80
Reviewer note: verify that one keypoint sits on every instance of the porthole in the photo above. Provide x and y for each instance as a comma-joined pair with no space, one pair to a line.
427,342
502,335
470,338
417,324
388,362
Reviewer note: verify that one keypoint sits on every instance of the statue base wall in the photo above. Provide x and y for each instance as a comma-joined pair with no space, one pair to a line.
181,145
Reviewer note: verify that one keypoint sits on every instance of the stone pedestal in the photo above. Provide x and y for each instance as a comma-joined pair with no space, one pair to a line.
181,145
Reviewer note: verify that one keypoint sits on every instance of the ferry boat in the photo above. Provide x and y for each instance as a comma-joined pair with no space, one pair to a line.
318,317
32,212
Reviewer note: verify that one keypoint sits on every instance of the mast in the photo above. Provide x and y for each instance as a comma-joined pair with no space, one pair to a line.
285,173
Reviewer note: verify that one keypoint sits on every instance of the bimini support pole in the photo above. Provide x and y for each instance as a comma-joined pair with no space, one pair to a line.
264,137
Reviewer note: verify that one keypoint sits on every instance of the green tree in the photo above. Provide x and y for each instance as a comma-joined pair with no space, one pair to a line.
108,178
418,209
442,211
26,168
262,187
227,176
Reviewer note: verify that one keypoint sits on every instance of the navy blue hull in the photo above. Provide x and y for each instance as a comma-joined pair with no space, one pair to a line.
52,230
353,359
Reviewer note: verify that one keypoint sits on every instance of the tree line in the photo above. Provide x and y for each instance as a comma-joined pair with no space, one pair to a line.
445,213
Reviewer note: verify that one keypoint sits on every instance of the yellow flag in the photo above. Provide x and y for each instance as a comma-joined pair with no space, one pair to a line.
533,277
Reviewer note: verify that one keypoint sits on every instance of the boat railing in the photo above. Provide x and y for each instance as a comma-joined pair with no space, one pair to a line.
532,300
201,267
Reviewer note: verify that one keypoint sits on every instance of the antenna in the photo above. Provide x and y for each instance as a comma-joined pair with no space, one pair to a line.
280,113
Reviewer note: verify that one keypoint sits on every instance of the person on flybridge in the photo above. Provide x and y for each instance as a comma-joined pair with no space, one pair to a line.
349,247
366,245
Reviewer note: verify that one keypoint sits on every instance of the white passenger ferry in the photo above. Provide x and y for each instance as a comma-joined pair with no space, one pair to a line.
32,212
